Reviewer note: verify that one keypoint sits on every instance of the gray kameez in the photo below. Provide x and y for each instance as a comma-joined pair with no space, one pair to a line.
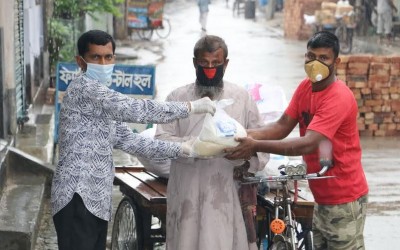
203,208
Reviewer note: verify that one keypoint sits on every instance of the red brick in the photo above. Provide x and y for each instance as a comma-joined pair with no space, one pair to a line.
379,117
395,81
364,109
395,59
352,84
376,96
380,59
366,133
379,68
393,132
393,90
395,96
395,105
360,102
395,69
360,58
357,68
344,59
377,109
342,66
383,126
380,133
378,84
376,91
391,126
373,127
369,115
385,97
386,108
372,103
365,91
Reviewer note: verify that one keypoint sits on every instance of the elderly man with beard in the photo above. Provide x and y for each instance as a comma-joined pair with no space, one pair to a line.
203,207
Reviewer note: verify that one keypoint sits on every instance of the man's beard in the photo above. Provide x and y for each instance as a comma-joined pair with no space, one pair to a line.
213,92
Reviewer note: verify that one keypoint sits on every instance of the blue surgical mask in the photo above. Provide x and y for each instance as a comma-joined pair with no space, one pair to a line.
100,72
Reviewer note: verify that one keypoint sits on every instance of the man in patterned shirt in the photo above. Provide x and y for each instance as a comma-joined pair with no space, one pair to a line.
92,123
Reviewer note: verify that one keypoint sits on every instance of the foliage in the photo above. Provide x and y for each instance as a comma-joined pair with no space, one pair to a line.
71,9
61,44
67,23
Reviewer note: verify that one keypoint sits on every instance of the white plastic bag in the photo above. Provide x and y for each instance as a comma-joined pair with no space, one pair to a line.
271,100
160,167
218,132
271,169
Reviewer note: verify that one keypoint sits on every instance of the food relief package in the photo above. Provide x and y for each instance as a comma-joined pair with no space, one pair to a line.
218,132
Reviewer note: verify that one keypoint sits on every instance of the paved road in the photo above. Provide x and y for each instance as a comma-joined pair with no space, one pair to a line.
258,53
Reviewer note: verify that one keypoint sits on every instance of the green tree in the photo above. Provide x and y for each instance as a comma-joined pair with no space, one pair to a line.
71,9
67,22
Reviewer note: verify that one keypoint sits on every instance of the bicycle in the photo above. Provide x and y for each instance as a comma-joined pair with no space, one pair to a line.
288,233
343,29
344,32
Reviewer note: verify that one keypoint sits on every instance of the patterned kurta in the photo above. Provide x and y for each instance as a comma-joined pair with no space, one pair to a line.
203,208
91,124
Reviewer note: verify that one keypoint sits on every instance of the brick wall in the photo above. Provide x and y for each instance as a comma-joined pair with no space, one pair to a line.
375,82
294,10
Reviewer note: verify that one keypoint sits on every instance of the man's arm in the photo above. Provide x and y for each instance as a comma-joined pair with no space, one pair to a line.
289,146
138,145
274,130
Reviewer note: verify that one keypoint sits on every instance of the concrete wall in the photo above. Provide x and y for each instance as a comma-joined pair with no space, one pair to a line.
7,24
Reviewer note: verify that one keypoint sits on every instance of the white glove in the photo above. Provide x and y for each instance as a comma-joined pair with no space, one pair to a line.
187,147
203,105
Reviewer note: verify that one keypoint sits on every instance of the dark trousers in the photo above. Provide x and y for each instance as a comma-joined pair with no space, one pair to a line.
78,229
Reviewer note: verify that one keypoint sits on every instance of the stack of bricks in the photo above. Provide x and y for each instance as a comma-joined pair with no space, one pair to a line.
294,24
375,82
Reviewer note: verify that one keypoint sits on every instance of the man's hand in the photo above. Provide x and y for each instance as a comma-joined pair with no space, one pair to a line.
203,105
187,147
245,150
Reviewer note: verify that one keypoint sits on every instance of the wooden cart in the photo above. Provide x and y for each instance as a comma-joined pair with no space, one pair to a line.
144,202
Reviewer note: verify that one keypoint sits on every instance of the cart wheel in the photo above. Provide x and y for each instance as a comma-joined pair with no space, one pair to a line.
145,34
126,232
165,29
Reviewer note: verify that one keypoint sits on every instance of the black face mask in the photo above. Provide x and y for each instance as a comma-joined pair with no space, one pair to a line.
210,76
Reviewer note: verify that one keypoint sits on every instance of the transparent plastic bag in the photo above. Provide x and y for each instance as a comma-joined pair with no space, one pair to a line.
218,132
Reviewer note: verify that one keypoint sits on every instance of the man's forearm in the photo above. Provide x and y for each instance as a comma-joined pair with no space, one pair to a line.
289,146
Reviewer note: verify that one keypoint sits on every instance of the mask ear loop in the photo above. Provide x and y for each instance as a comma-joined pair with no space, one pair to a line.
85,63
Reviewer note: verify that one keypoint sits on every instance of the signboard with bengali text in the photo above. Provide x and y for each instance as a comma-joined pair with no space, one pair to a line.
132,80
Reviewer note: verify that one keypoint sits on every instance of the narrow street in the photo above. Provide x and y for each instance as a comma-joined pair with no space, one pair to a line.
258,53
